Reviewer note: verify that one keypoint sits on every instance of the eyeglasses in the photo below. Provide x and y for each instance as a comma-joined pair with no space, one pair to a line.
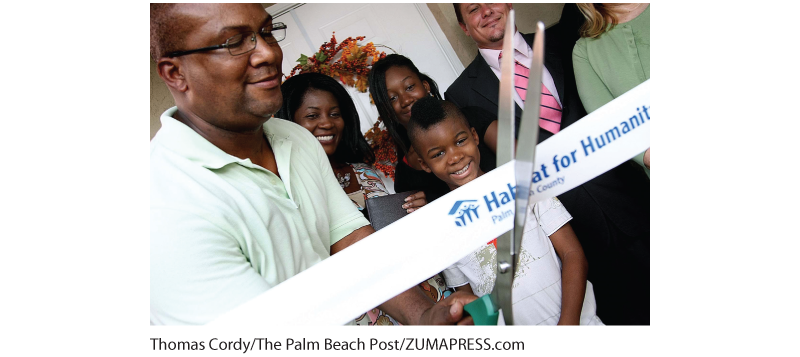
243,42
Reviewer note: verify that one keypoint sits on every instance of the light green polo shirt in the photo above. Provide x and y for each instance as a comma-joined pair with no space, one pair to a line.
223,230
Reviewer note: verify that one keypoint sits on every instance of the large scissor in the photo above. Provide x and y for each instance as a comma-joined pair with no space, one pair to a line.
484,311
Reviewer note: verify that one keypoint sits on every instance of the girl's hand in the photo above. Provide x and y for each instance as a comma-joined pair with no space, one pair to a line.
415,201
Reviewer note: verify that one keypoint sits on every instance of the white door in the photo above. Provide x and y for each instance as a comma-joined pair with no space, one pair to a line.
409,29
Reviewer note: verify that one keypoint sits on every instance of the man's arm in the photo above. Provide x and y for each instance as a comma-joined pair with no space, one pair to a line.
412,307
573,274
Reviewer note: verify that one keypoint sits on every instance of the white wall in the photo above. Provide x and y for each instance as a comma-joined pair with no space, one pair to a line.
527,15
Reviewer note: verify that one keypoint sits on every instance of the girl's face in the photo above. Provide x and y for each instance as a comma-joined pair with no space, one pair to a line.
320,114
404,88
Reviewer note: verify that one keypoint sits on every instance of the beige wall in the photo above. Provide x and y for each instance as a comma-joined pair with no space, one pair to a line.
160,99
526,16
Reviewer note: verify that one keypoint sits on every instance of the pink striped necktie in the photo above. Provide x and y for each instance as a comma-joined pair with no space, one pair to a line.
550,115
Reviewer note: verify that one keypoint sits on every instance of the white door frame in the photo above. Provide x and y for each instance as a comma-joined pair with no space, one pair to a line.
441,39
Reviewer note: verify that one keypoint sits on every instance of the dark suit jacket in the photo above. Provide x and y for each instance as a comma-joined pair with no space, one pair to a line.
478,85
611,213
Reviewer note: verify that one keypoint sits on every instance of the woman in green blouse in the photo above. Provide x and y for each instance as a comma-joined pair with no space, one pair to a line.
613,55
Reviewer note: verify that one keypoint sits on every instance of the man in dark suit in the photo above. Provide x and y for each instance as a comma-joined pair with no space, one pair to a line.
478,84
611,213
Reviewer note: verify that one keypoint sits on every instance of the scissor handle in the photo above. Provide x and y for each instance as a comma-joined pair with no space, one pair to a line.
483,311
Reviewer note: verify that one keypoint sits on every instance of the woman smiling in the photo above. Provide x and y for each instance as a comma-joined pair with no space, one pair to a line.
320,104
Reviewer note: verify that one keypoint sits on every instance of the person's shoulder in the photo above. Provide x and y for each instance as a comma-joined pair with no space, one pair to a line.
550,214
183,187
457,84
286,129
478,117
467,76
580,47
472,68
156,147
277,126
472,111
477,63
165,163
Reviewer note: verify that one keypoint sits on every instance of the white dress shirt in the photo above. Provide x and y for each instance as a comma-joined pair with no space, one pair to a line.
523,55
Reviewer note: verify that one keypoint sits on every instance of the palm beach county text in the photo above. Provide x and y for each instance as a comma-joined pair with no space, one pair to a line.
546,176
327,344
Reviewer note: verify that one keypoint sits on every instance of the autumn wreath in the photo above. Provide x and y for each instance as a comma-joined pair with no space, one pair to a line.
350,63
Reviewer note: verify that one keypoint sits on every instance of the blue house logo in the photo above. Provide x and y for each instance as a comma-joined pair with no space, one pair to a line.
464,210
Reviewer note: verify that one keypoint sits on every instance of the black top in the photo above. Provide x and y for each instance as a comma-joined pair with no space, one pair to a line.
408,179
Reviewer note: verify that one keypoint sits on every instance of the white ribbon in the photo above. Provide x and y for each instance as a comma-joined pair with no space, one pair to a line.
420,245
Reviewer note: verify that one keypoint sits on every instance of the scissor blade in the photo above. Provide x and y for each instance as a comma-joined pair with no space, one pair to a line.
501,293
505,102
505,153
528,138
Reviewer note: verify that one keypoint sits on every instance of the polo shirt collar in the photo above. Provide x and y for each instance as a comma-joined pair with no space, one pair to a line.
184,141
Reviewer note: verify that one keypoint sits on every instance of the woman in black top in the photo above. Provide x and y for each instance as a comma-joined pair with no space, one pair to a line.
395,84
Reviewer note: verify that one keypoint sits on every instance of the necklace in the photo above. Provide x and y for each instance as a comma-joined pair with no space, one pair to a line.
344,180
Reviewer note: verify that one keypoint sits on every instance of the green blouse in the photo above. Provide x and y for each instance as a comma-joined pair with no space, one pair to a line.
608,66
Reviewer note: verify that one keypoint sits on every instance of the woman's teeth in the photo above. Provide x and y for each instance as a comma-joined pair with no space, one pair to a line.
325,138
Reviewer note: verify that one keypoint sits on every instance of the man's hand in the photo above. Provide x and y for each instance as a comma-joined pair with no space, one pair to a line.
449,311
412,307
415,201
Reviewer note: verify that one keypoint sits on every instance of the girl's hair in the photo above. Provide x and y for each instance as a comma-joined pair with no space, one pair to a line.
380,95
353,148
599,19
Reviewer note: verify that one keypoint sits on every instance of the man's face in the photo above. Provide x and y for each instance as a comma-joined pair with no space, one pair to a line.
449,150
485,23
235,93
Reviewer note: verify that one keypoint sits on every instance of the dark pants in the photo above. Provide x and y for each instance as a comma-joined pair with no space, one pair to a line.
611,217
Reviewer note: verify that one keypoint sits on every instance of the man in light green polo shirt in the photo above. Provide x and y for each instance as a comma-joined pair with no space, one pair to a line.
240,203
